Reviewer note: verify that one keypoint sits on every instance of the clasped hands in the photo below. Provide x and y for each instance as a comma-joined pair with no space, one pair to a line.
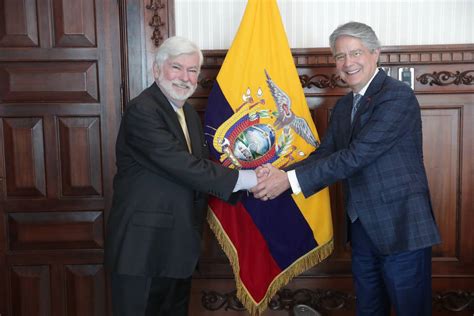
271,182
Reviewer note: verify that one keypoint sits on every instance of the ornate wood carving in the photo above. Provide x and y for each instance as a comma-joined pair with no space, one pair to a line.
322,81
156,22
319,299
214,301
454,301
285,299
328,300
206,83
446,78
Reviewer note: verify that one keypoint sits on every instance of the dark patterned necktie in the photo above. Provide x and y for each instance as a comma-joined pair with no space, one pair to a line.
355,105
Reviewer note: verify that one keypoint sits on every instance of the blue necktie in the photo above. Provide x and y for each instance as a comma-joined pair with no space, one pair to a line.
355,105
351,212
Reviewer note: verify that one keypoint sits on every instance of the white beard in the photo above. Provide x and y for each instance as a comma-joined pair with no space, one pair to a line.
168,88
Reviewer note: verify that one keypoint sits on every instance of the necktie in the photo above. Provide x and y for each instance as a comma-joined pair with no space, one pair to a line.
355,105
182,121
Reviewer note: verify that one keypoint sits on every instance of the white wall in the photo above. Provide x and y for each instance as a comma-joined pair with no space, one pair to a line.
212,23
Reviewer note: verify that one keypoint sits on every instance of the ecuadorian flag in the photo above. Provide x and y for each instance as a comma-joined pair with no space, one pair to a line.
256,114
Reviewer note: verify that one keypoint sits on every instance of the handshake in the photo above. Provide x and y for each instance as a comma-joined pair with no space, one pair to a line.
271,182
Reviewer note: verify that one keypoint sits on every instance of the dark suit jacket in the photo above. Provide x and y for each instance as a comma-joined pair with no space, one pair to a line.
380,159
160,190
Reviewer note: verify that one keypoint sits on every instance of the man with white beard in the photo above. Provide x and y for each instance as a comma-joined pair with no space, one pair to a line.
160,190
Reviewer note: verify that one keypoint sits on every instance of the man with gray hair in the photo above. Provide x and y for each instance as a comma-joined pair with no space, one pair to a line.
160,190
373,144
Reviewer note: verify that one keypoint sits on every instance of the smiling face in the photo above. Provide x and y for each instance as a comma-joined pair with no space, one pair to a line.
355,63
177,77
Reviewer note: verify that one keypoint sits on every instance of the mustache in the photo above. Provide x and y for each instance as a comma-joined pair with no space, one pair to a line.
182,84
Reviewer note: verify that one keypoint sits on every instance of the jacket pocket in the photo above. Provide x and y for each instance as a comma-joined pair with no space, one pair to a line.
153,219
401,192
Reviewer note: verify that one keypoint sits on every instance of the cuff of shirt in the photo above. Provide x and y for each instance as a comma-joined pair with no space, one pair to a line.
247,180
295,185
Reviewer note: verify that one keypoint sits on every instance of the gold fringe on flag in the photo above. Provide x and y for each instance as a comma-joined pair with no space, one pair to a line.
299,266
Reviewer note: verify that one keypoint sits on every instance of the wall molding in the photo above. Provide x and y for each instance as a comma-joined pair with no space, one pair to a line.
325,300
391,55
448,67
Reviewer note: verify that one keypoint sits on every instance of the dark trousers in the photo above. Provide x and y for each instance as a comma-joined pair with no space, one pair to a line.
401,280
144,296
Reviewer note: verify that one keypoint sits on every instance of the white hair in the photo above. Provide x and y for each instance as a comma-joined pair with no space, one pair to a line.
175,46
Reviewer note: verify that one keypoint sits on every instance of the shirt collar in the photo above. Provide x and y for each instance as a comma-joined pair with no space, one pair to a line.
175,108
364,89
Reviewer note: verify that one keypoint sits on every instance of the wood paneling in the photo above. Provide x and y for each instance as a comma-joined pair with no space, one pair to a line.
49,82
30,290
24,157
60,106
18,28
441,145
56,230
74,23
79,142
85,290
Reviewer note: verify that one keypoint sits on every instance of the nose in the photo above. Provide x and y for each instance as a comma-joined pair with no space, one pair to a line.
183,75
348,60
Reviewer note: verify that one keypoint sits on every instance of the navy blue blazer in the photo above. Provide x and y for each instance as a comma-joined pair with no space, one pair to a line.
380,160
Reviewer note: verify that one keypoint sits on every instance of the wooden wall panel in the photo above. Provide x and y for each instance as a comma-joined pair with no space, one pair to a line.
441,148
31,290
85,290
49,82
467,186
56,230
80,158
74,23
24,157
18,28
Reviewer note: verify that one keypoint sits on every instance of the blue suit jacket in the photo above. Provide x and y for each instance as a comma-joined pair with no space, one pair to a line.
379,157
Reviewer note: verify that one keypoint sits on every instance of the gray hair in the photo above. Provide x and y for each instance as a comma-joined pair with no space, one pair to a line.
175,46
357,30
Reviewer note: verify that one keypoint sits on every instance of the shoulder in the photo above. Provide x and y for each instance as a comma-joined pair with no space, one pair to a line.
396,87
150,100
343,102
395,96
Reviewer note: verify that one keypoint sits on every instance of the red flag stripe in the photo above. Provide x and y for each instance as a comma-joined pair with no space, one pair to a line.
257,266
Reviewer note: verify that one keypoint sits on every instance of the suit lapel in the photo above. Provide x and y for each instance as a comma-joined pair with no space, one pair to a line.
346,119
365,102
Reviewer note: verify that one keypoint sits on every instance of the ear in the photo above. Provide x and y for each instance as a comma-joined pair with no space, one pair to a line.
156,71
377,52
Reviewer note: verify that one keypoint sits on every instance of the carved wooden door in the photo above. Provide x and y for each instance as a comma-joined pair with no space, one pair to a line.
59,114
